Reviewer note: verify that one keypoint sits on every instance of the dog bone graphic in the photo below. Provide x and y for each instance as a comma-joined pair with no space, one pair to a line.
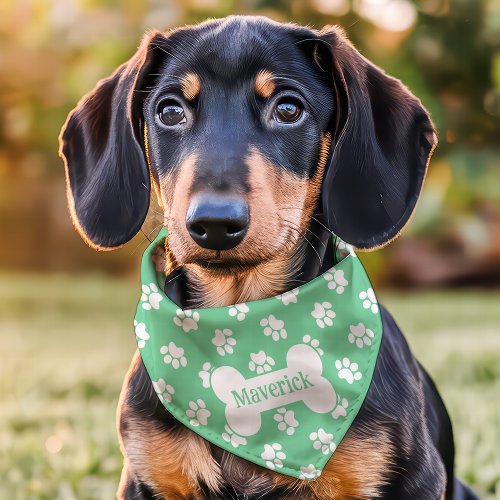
246,399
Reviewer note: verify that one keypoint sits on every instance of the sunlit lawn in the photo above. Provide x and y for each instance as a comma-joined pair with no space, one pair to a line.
66,344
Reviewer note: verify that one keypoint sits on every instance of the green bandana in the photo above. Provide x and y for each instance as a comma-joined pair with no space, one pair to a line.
276,381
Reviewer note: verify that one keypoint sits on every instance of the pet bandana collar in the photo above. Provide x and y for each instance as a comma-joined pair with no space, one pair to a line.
276,381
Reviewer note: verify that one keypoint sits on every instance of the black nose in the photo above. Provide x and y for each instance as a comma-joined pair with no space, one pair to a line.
217,222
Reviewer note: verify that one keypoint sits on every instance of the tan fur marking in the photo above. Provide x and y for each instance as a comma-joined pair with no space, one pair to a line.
358,469
264,83
172,463
190,86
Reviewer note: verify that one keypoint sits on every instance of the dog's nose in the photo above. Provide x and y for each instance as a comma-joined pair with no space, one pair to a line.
217,222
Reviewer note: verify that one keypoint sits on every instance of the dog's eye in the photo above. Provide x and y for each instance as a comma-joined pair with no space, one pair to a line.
288,110
171,113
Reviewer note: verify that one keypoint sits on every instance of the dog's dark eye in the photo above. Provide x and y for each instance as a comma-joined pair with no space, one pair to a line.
171,113
288,110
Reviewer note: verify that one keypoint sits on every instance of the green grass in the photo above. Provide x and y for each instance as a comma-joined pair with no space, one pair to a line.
67,342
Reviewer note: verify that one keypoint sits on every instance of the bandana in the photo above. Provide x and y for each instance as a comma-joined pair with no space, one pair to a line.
276,381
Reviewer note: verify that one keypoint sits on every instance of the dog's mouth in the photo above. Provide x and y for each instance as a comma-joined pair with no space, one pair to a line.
221,265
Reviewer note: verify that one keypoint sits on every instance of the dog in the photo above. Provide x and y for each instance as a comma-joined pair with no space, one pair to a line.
260,139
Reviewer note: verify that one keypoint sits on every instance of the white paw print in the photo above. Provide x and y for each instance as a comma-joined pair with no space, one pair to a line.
187,319
273,327
322,441
286,420
174,355
260,362
204,374
314,343
323,314
309,472
141,335
289,297
273,456
360,335
369,300
164,390
150,297
340,409
223,341
198,413
347,370
239,310
346,249
231,437
336,280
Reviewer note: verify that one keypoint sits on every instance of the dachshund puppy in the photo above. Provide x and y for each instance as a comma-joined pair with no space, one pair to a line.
260,139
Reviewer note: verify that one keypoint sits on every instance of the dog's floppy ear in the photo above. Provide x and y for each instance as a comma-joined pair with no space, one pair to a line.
384,140
107,177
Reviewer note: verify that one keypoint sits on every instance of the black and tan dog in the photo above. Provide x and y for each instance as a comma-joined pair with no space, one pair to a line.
260,138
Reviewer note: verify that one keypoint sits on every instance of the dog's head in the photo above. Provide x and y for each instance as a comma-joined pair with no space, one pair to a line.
247,129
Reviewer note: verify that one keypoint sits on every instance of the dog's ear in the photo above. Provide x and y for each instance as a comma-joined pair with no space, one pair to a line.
383,142
108,182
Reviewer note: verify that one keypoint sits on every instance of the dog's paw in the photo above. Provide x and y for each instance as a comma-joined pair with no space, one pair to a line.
347,370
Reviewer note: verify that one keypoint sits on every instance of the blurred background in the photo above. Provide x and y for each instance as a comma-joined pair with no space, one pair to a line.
66,311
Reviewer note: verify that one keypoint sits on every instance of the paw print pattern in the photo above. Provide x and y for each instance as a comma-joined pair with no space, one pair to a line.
322,441
369,300
323,314
345,249
204,374
347,370
231,437
173,355
336,280
165,391
150,297
340,409
141,335
289,297
198,413
159,259
260,362
309,472
273,327
239,310
286,420
223,341
187,319
273,456
314,343
360,335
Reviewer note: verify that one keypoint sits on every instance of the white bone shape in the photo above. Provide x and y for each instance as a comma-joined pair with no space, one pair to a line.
246,399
